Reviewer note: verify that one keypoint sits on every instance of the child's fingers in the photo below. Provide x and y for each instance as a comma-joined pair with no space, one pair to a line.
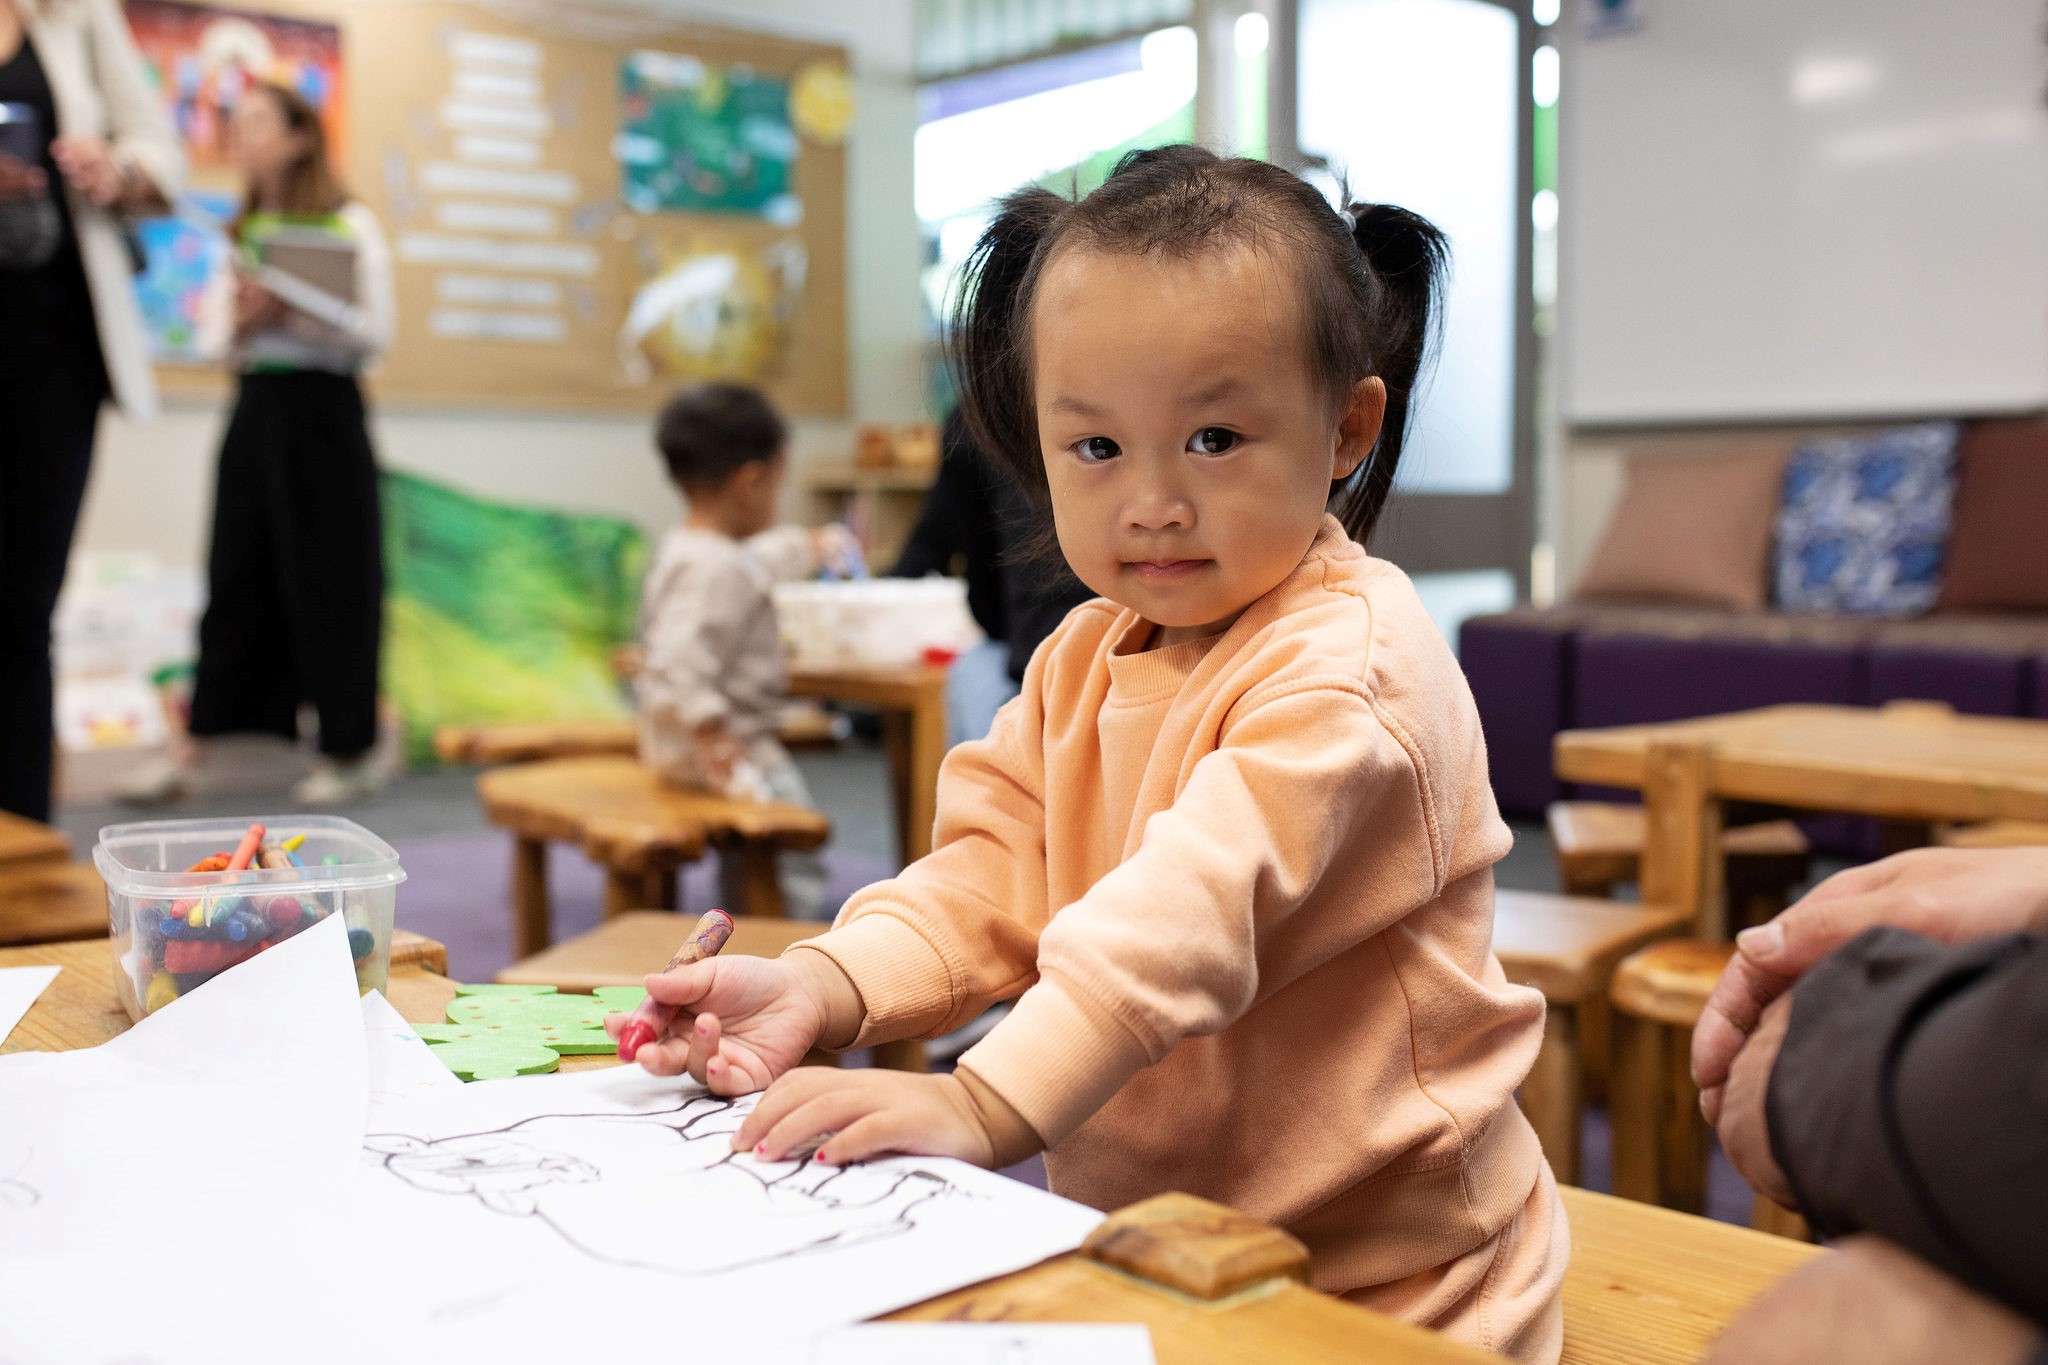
614,1024
816,1118
788,1092
685,986
703,1044
879,1133
665,1056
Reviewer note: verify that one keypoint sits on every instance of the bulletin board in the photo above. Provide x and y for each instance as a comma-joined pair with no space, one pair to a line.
586,207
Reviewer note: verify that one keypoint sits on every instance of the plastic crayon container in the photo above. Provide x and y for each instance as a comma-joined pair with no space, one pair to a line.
174,929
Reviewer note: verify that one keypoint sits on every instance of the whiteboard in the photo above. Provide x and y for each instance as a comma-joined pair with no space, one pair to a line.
1817,209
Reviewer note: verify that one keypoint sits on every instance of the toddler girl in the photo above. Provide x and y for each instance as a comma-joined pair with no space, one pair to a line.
1231,850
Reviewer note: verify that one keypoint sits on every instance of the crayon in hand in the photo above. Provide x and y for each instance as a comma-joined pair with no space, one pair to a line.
651,1020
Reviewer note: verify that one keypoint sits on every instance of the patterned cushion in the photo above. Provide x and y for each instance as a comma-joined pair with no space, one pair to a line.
1864,522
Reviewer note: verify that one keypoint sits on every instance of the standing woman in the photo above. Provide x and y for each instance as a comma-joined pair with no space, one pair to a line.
295,575
82,142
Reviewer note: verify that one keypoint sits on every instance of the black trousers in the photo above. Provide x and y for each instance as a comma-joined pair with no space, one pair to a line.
51,388
295,575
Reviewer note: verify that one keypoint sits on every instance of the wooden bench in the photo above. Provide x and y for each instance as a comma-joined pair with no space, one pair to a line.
1566,947
623,950
1993,834
639,829
1599,845
803,727
1660,1139
51,902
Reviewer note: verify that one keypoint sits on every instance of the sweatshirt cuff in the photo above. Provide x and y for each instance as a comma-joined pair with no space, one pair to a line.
905,986
1056,1059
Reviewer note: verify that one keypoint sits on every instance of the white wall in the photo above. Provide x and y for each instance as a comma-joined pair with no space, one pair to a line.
152,484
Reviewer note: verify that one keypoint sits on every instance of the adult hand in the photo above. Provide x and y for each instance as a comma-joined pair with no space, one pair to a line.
1951,895
91,167
1739,1110
19,180
1869,1303
863,1114
743,1021
835,548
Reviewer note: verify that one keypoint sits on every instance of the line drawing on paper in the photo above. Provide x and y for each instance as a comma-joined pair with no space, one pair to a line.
552,1169
15,1192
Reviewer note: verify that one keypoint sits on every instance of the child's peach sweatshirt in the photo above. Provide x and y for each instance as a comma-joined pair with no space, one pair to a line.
1242,890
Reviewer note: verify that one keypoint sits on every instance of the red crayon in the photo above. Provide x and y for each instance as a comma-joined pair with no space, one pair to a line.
246,850
652,1019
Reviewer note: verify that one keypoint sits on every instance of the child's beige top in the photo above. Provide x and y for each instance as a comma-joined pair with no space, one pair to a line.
707,624
1245,889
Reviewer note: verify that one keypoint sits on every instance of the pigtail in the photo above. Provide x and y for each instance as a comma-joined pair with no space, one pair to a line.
1409,258
986,345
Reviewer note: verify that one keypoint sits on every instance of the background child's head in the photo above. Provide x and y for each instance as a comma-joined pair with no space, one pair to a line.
724,446
280,146
1194,362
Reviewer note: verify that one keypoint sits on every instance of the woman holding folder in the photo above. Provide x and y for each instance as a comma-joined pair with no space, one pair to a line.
295,574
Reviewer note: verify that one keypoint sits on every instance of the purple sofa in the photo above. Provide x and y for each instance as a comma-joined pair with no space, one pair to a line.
1535,672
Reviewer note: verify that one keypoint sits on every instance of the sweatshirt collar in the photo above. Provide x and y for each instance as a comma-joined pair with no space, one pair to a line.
1148,674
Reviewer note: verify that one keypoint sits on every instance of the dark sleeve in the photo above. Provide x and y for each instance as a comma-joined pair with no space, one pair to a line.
959,519
1910,1099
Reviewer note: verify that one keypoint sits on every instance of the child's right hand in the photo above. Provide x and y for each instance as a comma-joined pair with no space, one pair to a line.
742,1021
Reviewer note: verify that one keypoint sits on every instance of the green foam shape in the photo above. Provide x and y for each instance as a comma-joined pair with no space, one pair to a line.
526,1019
478,1057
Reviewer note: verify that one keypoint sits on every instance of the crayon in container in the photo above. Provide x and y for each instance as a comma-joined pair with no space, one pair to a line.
173,930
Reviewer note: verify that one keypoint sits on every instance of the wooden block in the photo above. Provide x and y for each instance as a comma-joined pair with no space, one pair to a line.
1199,1248
24,842
51,902
416,950
1669,982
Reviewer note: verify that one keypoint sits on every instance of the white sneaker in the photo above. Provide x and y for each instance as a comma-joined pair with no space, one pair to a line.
340,784
160,781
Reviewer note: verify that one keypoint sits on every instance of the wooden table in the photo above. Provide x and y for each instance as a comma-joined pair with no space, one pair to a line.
25,842
912,702
1645,1284
1910,762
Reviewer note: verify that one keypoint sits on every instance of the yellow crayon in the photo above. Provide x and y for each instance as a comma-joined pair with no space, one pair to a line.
291,845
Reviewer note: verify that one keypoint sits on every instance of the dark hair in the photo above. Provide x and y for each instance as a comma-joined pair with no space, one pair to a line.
310,184
1371,288
708,431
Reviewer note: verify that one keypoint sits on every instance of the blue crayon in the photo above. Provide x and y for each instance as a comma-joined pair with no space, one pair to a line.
361,942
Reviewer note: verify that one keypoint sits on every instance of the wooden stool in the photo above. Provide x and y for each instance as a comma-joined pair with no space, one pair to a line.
52,902
1566,947
1660,1140
1599,845
639,829
1993,834
621,951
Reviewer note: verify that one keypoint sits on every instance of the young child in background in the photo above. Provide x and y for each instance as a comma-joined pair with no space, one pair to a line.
710,686
1231,848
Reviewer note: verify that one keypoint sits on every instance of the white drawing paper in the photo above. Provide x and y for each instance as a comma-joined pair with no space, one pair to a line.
987,1343
400,1065
19,987
242,1098
619,1187
214,1144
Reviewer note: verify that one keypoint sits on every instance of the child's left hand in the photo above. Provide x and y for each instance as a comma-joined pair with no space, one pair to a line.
867,1114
